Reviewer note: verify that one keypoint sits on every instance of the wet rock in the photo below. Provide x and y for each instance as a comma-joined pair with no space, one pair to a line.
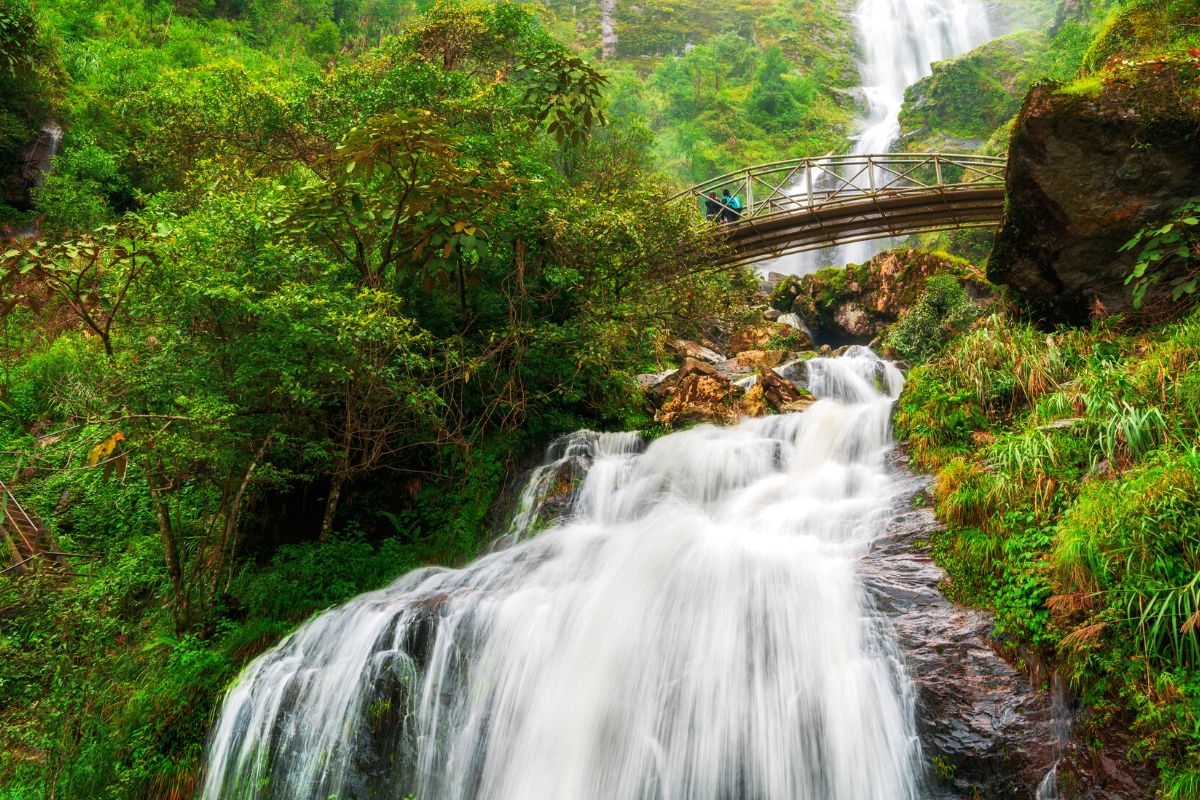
781,394
697,393
1086,171
772,314
991,729
697,351
795,371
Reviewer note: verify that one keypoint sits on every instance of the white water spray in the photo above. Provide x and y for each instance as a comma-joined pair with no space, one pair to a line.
694,628
899,40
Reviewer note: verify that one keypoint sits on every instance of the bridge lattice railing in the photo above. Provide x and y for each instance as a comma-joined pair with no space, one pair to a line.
813,184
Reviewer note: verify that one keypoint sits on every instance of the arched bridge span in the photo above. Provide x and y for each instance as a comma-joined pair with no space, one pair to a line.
811,203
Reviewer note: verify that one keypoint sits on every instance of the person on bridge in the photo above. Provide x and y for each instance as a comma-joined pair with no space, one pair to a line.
712,206
731,210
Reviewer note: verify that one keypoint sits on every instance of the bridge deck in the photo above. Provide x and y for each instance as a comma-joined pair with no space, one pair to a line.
807,204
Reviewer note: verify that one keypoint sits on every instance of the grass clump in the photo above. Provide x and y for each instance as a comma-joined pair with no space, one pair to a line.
1069,483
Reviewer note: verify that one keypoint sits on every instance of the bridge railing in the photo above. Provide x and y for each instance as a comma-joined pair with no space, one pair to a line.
828,182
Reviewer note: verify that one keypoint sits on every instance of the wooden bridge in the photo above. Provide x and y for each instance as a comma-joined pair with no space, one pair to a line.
30,545
812,203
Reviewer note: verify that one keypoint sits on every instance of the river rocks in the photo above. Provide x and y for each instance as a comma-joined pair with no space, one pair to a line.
1090,165
697,393
780,394
855,304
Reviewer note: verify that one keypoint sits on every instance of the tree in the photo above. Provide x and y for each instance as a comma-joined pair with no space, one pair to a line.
771,102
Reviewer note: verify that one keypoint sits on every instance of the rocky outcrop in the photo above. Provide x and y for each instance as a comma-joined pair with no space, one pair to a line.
965,99
1089,165
699,392
855,304
986,728
696,393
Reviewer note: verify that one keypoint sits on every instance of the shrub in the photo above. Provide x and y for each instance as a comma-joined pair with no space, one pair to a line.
941,313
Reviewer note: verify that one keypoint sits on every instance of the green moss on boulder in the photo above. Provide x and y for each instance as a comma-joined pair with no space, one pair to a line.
858,302
965,99
1086,171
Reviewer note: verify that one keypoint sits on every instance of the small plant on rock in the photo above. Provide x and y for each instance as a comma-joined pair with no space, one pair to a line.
1173,244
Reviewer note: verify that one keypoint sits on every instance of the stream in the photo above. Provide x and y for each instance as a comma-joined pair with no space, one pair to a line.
721,613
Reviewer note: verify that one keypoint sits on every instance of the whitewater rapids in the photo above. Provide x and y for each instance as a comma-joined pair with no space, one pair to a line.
693,628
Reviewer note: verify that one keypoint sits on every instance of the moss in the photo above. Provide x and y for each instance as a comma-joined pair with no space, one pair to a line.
1146,27
969,97
1090,86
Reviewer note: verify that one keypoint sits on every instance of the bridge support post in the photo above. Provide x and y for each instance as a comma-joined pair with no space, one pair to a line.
749,194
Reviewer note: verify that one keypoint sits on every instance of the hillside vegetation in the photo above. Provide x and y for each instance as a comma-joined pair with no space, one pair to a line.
312,286
1068,459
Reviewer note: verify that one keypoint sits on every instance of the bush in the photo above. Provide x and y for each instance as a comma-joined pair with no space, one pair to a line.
942,312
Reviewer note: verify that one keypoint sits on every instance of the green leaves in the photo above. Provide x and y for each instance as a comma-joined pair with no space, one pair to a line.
564,91
1173,248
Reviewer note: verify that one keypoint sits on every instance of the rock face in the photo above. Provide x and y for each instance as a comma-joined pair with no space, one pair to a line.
1090,165
854,305
988,731
965,99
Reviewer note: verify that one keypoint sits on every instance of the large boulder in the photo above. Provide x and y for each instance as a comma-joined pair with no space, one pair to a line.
853,305
781,394
1089,165
696,393
699,392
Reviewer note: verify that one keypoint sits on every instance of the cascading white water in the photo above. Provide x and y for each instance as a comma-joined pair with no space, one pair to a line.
693,628
899,40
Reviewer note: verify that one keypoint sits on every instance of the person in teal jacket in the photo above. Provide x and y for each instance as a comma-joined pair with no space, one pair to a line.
732,207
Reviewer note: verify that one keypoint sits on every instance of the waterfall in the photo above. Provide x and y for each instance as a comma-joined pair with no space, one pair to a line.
38,164
691,625
899,41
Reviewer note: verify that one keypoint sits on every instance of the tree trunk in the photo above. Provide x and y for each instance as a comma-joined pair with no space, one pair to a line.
170,546
331,503
232,519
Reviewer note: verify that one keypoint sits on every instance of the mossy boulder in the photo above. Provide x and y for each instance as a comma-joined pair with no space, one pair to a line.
1090,164
965,99
853,305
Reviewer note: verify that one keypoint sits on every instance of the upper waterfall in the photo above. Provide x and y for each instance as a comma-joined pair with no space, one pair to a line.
899,40
693,627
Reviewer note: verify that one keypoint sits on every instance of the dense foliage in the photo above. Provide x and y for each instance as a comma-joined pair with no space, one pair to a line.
725,84
293,324
1069,479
